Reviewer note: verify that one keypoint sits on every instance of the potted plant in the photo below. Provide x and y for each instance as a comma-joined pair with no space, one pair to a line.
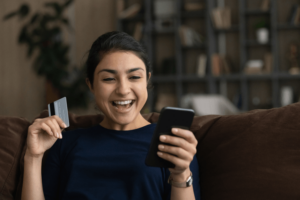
262,31
42,33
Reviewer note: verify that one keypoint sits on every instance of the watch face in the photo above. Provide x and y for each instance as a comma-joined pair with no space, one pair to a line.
189,182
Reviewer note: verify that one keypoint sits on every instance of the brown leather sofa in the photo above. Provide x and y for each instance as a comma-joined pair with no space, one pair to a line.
254,155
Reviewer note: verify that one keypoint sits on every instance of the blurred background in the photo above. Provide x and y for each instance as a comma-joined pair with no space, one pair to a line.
215,56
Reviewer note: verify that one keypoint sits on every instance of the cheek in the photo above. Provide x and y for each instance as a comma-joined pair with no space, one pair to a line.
142,91
102,92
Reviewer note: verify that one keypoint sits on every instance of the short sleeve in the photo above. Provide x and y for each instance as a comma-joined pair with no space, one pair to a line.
196,181
51,172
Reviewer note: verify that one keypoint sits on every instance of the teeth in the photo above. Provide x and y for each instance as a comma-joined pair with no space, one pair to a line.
123,102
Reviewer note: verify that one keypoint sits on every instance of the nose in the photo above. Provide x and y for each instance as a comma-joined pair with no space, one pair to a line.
123,87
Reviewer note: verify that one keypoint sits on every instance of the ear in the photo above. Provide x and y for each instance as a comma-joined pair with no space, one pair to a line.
87,81
149,76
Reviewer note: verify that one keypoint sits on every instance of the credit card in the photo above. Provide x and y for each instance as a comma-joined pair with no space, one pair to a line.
60,108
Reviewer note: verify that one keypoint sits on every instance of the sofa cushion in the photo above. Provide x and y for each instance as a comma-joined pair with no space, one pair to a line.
255,155
13,131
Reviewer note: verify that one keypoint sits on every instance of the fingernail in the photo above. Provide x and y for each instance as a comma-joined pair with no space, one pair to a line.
57,134
161,146
65,126
162,137
61,136
175,129
159,153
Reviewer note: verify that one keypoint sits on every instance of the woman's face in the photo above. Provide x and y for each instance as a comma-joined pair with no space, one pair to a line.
120,89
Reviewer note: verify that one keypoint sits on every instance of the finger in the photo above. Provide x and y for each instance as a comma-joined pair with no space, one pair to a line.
57,128
52,127
179,142
60,121
180,163
186,134
47,129
177,151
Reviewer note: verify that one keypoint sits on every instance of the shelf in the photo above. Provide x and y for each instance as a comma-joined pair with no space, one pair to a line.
164,78
233,28
194,78
287,76
166,32
254,43
287,27
228,77
257,12
239,35
193,14
138,17
255,77
198,47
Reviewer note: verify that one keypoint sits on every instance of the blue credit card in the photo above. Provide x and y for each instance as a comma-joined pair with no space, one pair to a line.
60,108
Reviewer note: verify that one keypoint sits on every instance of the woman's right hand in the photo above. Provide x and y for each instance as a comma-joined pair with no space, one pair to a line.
42,134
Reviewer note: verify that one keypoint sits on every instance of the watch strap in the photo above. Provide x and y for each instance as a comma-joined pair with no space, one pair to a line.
187,183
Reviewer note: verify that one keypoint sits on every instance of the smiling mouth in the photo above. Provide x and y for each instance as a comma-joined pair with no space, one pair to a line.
123,104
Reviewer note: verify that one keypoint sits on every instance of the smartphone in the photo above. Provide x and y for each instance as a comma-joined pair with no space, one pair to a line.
170,117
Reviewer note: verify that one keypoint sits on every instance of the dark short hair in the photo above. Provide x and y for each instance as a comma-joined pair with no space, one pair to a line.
110,42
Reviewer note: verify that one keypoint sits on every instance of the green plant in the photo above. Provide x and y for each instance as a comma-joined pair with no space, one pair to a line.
42,33
262,23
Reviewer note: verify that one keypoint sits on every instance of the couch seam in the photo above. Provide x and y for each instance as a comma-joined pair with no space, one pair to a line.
9,173
13,163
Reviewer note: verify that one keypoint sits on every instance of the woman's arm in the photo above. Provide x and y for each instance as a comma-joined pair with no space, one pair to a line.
181,154
32,181
182,193
42,134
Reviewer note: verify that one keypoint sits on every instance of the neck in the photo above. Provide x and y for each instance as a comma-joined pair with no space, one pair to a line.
137,123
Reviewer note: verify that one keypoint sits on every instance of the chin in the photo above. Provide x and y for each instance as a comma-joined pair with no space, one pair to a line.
123,120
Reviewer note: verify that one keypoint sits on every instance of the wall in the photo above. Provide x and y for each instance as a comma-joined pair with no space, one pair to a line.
22,92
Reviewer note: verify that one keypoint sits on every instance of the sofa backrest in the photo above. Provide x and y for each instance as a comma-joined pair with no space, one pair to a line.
13,132
255,155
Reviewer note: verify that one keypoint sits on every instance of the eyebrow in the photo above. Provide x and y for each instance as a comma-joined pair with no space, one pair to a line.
115,72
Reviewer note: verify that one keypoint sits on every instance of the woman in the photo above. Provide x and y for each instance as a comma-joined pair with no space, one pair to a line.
107,161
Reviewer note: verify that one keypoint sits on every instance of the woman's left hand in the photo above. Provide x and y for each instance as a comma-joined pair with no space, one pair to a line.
183,152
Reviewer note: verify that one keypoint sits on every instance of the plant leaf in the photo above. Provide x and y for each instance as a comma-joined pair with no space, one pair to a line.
34,18
68,3
65,21
56,7
23,36
24,10
10,15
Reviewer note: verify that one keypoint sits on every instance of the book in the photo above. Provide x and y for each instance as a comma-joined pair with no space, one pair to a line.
254,67
293,14
221,17
193,6
165,99
201,65
138,31
268,63
296,20
216,65
189,37
225,66
217,18
226,18
265,5
130,12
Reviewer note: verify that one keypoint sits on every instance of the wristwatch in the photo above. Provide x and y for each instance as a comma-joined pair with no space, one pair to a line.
187,183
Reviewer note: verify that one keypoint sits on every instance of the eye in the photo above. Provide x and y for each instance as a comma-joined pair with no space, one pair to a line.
135,77
108,79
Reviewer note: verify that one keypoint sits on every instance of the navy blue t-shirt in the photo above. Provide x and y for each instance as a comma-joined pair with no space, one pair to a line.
98,163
